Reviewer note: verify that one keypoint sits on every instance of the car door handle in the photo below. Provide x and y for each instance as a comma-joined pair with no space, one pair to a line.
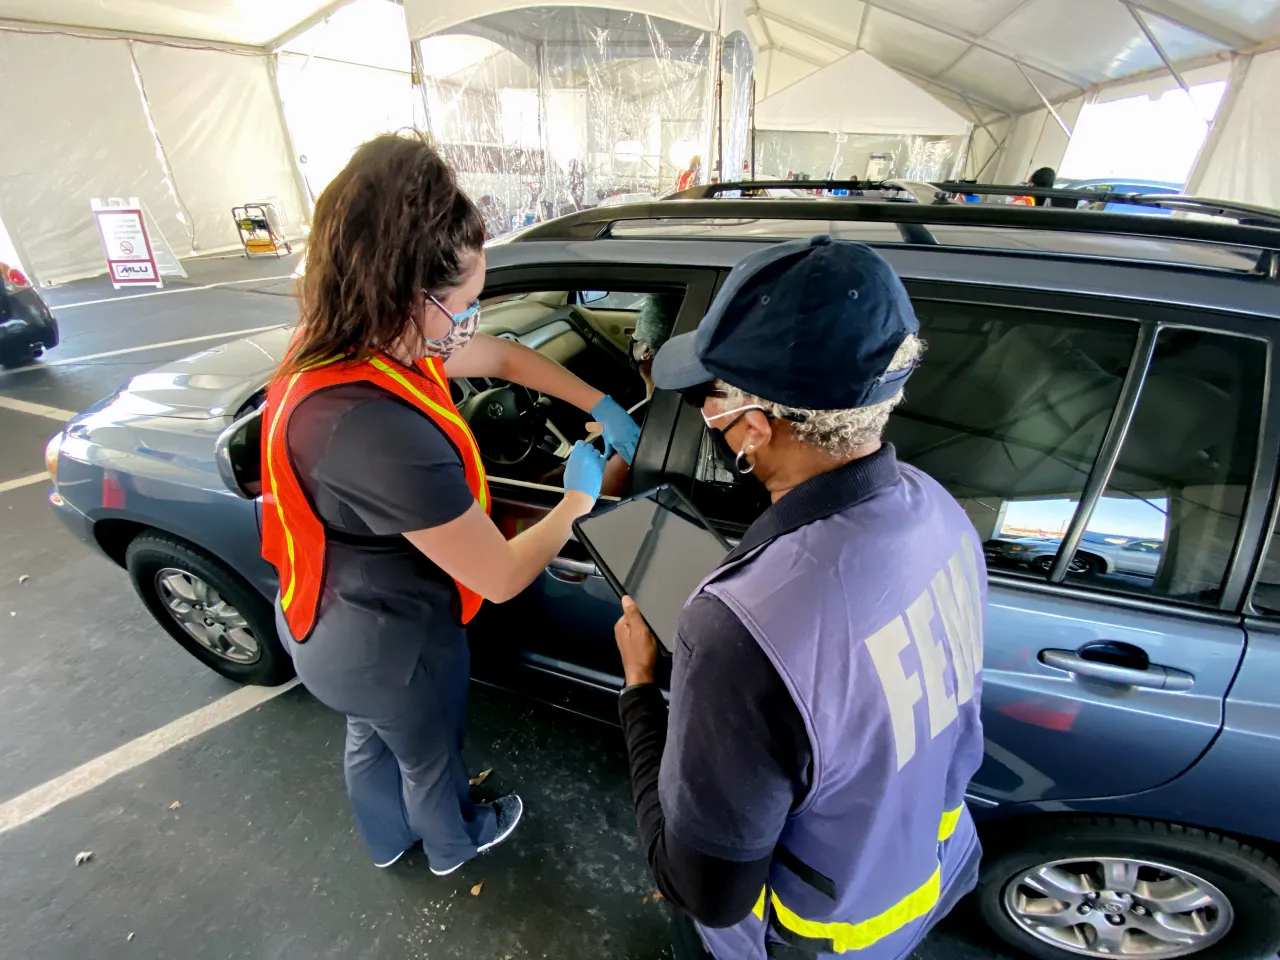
1152,677
571,571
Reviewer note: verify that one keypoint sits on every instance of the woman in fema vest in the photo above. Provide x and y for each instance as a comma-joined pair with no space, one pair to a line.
824,719
376,510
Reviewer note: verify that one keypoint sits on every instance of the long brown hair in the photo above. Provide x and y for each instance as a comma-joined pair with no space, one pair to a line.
392,224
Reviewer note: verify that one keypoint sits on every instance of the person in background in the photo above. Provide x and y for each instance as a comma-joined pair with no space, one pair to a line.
690,177
1046,177
376,506
654,322
805,795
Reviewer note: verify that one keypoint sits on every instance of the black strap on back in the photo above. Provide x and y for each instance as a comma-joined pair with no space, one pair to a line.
820,882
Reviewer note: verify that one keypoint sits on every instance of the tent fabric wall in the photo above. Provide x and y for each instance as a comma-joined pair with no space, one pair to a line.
893,104
333,107
216,115
1240,163
1036,141
72,134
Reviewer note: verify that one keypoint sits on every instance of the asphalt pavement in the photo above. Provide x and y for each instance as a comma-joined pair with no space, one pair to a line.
211,821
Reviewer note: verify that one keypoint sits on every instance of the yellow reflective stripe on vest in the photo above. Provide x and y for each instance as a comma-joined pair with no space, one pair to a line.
859,936
286,592
435,407
949,821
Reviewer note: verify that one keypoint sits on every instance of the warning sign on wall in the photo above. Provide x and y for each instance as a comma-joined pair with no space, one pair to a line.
127,248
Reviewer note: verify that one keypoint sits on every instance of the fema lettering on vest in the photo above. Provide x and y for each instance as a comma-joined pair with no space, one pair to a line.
884,662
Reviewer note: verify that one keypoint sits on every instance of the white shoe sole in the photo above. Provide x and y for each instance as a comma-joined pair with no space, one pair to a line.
445,873
383,866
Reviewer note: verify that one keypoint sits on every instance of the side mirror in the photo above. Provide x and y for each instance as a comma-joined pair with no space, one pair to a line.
237,452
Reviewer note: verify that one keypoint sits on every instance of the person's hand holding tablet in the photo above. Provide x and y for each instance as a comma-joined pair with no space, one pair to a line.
636,643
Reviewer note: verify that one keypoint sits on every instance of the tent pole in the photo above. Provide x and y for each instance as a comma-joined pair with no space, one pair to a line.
1164,57
752,121
1043,99
719,110
299,179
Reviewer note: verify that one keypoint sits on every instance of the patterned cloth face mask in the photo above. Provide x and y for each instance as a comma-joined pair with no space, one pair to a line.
462,327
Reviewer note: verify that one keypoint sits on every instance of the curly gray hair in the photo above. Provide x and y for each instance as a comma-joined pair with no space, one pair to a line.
837,432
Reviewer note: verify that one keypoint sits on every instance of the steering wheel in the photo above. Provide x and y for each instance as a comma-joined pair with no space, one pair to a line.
507,422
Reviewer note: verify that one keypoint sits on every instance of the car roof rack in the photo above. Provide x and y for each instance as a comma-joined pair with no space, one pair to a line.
946,189
913,220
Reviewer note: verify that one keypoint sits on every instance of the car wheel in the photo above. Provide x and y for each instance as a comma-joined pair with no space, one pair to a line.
1115,887
208,608
18,357
1081,565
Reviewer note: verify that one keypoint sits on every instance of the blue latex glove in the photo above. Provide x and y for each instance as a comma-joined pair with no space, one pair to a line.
621,433
584,470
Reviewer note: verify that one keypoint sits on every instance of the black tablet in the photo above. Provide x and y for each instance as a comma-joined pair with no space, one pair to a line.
655,548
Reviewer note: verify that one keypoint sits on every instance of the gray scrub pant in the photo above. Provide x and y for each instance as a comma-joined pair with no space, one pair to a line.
403,761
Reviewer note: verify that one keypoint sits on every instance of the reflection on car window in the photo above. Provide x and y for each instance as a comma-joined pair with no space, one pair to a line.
1168,520
1266,591
612,300
1006,410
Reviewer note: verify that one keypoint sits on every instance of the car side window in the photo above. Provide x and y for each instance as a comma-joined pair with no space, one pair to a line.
526,437
1007,410
1266,589
1168,519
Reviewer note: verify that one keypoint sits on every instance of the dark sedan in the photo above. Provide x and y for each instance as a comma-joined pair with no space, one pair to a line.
27,327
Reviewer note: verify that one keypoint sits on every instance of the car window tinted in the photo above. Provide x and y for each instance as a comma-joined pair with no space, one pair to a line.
1168,519
1266,591
1007,410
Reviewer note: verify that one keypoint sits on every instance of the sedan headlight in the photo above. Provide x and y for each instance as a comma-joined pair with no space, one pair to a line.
51,451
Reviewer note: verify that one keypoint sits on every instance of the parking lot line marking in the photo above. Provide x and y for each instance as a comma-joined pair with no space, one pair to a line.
165,293
8,485
38,801
39,409
230,335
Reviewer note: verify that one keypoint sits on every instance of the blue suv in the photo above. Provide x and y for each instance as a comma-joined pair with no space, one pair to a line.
1093,382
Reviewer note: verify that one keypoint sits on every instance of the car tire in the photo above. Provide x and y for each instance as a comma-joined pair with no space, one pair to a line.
19,357
1223,868
167,572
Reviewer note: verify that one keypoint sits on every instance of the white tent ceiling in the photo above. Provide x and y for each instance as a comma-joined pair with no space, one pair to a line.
874,99
987,51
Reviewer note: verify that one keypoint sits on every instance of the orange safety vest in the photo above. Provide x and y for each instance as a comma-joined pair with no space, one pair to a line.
293,537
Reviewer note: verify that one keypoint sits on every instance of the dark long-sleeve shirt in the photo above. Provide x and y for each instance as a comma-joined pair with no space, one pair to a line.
743,748
732,755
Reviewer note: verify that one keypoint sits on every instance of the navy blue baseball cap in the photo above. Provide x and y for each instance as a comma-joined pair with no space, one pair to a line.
812,324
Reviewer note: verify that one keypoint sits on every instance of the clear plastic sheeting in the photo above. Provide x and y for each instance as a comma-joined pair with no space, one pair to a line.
738,66
825,156
549,110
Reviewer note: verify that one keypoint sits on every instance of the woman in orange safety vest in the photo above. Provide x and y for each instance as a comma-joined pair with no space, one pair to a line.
376,506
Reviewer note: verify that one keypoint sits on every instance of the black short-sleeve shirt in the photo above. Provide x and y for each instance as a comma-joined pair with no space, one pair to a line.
374,468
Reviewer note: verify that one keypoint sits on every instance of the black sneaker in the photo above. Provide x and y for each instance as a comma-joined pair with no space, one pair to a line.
509,809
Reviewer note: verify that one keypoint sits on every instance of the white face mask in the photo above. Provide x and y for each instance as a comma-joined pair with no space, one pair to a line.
463,327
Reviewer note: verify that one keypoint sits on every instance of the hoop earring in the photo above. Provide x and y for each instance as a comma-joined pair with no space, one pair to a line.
739,460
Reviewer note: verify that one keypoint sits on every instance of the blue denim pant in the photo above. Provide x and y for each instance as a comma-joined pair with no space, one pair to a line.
404,769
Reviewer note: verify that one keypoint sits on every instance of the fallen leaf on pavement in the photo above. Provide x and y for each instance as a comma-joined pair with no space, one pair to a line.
480,778
84,856
656,896
175,805
24,578
475,891
129,937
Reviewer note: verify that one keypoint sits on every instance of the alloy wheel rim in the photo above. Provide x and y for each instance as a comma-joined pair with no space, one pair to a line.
1113,907
206,617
